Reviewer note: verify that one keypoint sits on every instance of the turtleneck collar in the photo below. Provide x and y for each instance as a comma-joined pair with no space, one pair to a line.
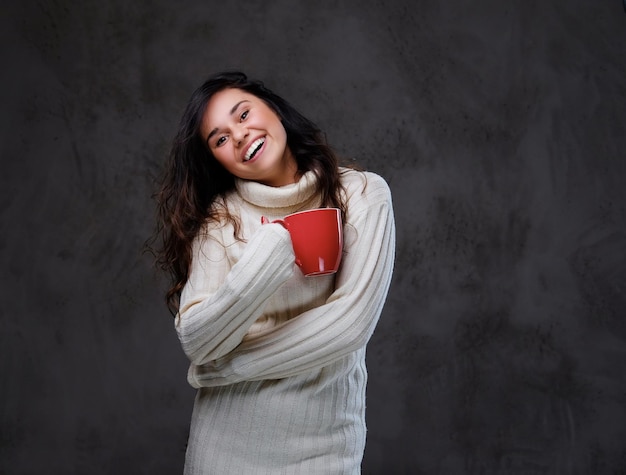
280,196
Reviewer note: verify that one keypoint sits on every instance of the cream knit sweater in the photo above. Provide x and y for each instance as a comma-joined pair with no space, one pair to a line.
279,358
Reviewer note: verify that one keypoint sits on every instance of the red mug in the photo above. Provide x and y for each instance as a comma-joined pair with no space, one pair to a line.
317,239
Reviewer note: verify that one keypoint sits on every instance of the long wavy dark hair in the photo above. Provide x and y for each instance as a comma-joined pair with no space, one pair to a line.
193,179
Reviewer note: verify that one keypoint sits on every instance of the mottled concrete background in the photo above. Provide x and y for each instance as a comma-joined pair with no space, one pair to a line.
501,128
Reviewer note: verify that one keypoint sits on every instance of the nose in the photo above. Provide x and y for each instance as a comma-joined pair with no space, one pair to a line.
240,132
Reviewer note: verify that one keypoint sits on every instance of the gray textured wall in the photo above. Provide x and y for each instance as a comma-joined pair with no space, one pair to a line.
500,126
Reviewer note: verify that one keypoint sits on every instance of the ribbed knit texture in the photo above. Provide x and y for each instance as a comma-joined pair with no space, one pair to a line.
279,358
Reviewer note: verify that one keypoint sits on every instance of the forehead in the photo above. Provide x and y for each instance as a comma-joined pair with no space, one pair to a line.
220,106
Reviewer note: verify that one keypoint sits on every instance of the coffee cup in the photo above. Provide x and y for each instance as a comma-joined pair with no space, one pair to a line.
317,239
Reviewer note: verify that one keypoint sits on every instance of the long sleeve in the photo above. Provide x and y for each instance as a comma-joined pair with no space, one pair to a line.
220,302
343,324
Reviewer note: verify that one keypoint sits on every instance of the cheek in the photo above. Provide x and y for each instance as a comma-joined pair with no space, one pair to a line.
279,131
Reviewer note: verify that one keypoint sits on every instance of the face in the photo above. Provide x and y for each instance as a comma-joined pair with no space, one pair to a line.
247,137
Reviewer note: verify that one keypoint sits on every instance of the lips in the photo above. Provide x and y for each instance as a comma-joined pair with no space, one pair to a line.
253,149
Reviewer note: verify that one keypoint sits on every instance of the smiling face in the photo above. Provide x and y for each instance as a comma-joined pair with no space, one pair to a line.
247,137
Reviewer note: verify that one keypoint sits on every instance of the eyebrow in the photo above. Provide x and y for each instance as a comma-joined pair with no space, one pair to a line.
232,111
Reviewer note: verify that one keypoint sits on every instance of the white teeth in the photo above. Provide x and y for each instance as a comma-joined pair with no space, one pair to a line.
254,146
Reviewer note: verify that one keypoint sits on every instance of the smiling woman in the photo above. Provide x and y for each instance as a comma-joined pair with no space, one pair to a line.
247,137
278,358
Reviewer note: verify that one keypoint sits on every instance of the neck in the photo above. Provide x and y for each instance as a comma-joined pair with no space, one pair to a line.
289,173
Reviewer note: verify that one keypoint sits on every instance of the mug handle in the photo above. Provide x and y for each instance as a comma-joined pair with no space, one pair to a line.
264,220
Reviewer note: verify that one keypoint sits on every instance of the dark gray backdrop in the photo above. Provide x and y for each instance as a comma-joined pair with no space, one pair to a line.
500,126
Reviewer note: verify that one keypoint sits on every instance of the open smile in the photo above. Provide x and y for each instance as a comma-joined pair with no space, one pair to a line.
254,149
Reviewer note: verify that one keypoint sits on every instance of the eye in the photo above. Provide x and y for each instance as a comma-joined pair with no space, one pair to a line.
244,115
220,141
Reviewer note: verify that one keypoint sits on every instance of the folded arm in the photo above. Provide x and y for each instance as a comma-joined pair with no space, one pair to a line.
345,323
220,303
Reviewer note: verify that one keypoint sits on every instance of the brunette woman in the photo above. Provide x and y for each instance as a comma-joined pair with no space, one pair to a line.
278,358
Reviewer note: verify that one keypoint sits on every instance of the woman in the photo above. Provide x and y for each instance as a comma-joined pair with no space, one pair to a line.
278,358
